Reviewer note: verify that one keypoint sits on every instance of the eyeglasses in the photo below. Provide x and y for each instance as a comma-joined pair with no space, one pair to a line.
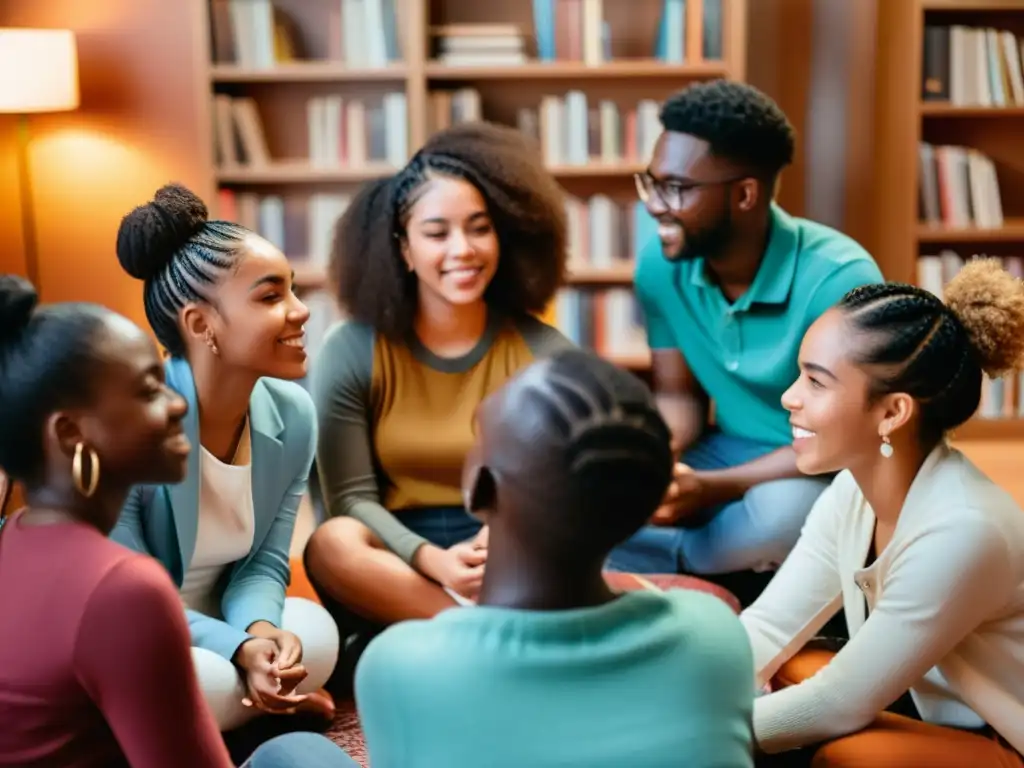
672,192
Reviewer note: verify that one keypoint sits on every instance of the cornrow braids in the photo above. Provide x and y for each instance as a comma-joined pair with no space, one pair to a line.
614,442
179,254
918,346
524,202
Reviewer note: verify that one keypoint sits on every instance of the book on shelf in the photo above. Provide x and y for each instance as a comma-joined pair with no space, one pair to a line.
256,34
972,66
343,132
571,130
447,108
577,30
605,234
606,320
1003,397
352,132
479,45
959,188
297,224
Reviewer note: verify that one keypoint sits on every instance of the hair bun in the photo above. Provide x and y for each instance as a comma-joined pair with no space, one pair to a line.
17,300
989,301
151,234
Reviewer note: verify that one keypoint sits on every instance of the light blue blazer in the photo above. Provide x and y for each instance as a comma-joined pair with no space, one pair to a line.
161,521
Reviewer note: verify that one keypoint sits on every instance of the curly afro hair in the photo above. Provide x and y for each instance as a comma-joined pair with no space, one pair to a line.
937,352
525,203
739,122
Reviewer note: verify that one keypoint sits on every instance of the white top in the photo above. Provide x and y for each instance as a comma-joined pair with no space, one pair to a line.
946,618
226,523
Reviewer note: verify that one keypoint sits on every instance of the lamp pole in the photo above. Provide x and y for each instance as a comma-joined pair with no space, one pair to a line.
28,219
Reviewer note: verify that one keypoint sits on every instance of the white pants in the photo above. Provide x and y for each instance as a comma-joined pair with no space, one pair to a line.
223,686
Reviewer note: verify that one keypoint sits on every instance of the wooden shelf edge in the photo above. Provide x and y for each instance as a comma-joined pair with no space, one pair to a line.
971,5
945,109
1011,231
634,361
305,71
597,168
989,429
309,277
285,172
534,70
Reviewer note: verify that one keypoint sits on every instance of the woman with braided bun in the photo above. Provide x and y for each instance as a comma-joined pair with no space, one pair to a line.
922,550
442,269
219,299
553,668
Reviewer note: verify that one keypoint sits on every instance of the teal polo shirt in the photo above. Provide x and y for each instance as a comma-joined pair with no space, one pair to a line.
744,354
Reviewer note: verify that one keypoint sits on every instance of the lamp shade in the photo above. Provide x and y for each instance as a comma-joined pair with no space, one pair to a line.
38,70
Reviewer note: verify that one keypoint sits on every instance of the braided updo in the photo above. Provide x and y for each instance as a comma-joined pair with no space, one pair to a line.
525,204
936,352
170,244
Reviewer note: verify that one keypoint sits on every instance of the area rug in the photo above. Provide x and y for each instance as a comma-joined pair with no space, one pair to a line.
347,733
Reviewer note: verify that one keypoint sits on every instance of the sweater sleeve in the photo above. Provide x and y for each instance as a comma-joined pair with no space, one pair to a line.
341,388
940,587
805,592
132,656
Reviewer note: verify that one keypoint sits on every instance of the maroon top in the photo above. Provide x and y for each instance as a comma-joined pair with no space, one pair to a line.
96,669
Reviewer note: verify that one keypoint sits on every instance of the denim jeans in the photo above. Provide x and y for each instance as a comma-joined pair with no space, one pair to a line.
300,750
755,532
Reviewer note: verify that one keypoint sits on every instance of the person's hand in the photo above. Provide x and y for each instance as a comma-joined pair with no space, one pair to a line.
289,647
266,690
460,567
482,538
683,498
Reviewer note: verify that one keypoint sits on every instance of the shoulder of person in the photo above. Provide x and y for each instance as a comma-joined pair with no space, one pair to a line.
135,579
543,339
291,399
348,334
411,651
825,251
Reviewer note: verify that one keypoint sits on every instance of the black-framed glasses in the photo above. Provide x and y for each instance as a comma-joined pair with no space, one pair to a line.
670,191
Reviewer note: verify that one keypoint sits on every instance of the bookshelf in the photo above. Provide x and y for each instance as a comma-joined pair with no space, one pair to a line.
310,98
948,167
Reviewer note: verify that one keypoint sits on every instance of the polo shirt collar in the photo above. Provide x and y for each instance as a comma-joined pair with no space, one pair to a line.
774,278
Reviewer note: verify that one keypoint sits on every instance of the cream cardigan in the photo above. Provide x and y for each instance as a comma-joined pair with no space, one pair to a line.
946,618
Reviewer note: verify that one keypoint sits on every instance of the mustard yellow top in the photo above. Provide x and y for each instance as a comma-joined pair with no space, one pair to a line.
396,419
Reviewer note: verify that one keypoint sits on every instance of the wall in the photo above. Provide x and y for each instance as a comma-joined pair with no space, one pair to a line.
141,124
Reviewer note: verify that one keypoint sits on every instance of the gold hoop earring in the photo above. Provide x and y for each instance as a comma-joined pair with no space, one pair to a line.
885,448
77,473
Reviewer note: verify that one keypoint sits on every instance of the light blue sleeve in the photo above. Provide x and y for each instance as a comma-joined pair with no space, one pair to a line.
257,589
837,284
648,281
206,632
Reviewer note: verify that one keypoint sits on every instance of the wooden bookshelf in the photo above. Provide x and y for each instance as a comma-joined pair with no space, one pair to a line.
908,114
632,66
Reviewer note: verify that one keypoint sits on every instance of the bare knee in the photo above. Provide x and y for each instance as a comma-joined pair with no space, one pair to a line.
336,547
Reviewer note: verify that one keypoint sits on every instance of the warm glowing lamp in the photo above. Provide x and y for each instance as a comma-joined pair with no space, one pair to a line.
38,73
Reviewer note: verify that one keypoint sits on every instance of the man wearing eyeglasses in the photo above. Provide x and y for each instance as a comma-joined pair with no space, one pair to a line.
726,303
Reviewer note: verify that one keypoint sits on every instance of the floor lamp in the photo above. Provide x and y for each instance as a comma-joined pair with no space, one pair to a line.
38,73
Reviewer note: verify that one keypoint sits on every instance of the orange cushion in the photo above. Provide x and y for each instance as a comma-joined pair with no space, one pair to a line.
300,586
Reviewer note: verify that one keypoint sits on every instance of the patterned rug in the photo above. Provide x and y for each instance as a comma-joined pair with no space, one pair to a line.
347,733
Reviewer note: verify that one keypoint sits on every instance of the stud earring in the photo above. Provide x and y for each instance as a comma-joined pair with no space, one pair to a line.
886,447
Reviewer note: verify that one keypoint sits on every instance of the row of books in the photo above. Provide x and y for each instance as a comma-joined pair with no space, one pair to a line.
342,132
576,30
606,320
1000,398
606,233
301,226
256,34
970,66
572,131
959,187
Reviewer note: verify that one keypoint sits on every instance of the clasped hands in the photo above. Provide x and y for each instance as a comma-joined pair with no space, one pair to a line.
460,567
685,496
271,660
